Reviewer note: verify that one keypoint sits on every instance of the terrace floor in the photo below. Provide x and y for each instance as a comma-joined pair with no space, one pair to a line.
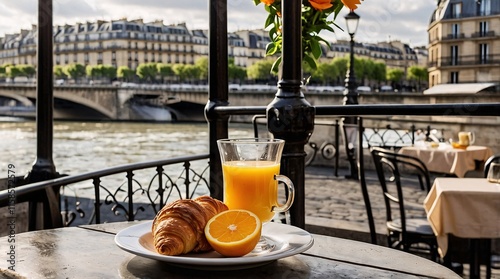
335,206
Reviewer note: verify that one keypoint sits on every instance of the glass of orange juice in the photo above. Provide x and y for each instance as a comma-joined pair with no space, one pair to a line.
251,170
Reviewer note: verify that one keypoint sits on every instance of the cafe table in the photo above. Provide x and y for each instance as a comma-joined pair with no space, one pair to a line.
446,159
91,252
465,207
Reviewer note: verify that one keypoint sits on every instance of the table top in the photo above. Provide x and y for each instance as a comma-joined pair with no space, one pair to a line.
464,207
449,160
90,252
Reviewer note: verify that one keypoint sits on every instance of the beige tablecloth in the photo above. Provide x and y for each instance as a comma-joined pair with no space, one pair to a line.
445,159
464,207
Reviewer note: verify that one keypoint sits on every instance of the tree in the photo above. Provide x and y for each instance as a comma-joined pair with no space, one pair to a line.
180,71
74,71
59,72
418,74
395,76
92,72
27,70
326,72
202,64
340,63
260,70
165,70
235,73
379,72
147,71
192,72
13,71
108,71
125,73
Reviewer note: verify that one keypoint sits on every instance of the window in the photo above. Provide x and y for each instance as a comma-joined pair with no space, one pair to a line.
455,30
483,53
456,10
485,7
454,77
454,55
483,28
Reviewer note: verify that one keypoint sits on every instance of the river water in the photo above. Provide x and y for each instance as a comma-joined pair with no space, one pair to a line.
80,147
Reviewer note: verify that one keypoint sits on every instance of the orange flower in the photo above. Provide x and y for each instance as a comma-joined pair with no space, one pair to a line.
351,4
321,4
267,2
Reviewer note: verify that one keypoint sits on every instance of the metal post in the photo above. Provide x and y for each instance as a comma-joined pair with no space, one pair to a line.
43,168
351,98
289,115
218,90
350,123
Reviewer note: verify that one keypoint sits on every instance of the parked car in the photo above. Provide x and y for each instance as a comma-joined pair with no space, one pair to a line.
364,89
386,88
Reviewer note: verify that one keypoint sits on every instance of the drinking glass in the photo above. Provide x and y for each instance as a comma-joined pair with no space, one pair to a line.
494,173
250,169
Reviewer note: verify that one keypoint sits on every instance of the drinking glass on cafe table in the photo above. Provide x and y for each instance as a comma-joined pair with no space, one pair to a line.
494,173
250,169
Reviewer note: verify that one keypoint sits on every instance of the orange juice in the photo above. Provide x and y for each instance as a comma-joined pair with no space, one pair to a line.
251,185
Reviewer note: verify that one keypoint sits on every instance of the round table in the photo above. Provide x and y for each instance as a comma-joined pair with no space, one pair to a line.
90,252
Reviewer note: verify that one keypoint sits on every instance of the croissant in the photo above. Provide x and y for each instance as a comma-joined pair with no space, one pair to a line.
178,228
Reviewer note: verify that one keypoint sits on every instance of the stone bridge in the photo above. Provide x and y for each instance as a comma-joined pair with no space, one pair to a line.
105,102
113,103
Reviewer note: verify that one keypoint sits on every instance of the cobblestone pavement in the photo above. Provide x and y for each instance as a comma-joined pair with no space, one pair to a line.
338,198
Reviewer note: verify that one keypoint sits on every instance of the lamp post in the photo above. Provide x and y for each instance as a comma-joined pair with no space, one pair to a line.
351,98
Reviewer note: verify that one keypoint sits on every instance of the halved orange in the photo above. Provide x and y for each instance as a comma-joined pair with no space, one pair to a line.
233,233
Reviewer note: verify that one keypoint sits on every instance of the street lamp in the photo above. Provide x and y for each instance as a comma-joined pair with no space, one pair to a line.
350,127
350,94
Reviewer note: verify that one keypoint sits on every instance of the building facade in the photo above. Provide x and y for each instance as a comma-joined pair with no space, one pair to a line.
464,42
132,42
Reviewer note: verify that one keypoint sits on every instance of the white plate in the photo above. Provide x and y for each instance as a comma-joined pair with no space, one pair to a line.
289,240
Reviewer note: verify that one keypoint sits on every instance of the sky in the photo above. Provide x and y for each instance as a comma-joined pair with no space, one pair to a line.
381,20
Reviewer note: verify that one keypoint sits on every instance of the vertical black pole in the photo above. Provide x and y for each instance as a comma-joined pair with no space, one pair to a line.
289,115
218,90
43,168
351,98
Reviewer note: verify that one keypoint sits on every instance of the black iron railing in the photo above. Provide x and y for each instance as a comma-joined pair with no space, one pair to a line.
122,193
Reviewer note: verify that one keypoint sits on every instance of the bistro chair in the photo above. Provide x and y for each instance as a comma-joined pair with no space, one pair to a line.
492,159
404,232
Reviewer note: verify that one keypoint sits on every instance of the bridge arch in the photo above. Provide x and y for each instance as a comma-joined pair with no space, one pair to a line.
20,99
86,102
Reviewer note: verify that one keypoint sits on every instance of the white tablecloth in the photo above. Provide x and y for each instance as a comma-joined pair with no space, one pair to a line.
464,207
445,159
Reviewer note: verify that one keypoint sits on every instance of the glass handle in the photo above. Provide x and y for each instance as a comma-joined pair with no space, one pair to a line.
291,193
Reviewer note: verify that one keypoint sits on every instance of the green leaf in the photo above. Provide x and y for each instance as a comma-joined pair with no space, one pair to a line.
310,61
269,20
271,48
316,49
275,67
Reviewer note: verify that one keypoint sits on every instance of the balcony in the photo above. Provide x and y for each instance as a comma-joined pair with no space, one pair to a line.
454,36
466,61
489,34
